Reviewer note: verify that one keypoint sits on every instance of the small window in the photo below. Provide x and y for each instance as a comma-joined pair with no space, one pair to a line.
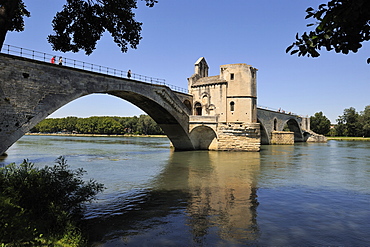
232,106
232,76
198,109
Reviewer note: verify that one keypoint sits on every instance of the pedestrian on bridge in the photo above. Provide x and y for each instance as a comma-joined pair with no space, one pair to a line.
129,74
60,61
52,60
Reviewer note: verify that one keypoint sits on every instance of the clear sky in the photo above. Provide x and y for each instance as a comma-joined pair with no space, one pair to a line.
177,32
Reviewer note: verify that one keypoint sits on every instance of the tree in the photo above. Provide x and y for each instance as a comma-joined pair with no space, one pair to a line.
351,118
81,23
365,121
349,123
340,128
320,123
147,126
342,25
11,17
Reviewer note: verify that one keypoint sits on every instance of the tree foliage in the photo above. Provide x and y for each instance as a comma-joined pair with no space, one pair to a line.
365,121
320,124
11,17
340,25
100,125
353,124
41,202
81,23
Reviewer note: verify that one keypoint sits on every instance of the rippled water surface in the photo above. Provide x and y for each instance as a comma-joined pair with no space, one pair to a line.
301,195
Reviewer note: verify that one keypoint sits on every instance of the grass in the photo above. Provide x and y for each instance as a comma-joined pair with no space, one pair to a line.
346,138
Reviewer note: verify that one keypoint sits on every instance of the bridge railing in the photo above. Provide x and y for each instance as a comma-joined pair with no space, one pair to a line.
45,57
278,110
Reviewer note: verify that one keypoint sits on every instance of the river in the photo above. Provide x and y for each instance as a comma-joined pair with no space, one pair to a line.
303,195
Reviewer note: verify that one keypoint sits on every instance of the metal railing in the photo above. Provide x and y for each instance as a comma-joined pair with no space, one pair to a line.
278,110
45,57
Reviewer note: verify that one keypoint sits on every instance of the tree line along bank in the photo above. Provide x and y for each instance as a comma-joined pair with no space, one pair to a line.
142,125
351,123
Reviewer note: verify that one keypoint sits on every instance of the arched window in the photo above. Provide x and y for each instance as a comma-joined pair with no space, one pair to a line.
232,106
198,109
205,99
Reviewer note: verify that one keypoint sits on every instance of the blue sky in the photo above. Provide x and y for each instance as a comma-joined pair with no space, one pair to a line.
177,32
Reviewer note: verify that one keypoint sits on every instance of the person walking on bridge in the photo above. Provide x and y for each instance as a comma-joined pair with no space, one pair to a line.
60,61
129,74
52,60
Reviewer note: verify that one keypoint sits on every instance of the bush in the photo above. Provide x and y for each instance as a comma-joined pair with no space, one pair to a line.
44,202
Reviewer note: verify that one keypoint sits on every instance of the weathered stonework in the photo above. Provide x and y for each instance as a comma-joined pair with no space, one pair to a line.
219,113
313,137
230,99
282,138
31,90
236,138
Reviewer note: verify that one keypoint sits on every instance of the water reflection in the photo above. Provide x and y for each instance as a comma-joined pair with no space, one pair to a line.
208,197
308,194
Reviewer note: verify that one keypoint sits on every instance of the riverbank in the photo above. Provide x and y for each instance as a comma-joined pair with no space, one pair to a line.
345,138
89,135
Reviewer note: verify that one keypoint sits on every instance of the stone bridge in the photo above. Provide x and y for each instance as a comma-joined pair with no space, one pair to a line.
31,90
272,122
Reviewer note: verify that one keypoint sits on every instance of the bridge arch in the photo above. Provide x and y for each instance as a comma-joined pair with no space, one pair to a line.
265,138
275,121
203,137
55,86
294,127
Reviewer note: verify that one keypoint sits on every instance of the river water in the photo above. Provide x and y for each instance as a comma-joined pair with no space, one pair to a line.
302,195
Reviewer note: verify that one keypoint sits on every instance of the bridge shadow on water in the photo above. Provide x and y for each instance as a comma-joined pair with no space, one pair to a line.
199,198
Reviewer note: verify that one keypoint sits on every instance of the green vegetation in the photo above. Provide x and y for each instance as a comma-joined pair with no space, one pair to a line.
143,125
345,138
320,124
81,23
341,25
350,124
42,207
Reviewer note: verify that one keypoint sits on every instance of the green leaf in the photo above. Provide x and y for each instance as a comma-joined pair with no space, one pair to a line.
289,48
294,52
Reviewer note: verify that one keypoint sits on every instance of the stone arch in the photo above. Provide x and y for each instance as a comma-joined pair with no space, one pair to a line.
203,138
49,94
265,139
294,127
198,109
205,98
211,109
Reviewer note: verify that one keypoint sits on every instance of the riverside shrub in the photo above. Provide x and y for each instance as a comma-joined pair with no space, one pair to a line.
41,203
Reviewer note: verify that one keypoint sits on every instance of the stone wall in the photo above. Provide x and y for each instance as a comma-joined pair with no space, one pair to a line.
236,138
282,138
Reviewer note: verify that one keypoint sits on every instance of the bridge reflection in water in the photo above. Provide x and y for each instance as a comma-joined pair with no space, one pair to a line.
200,198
